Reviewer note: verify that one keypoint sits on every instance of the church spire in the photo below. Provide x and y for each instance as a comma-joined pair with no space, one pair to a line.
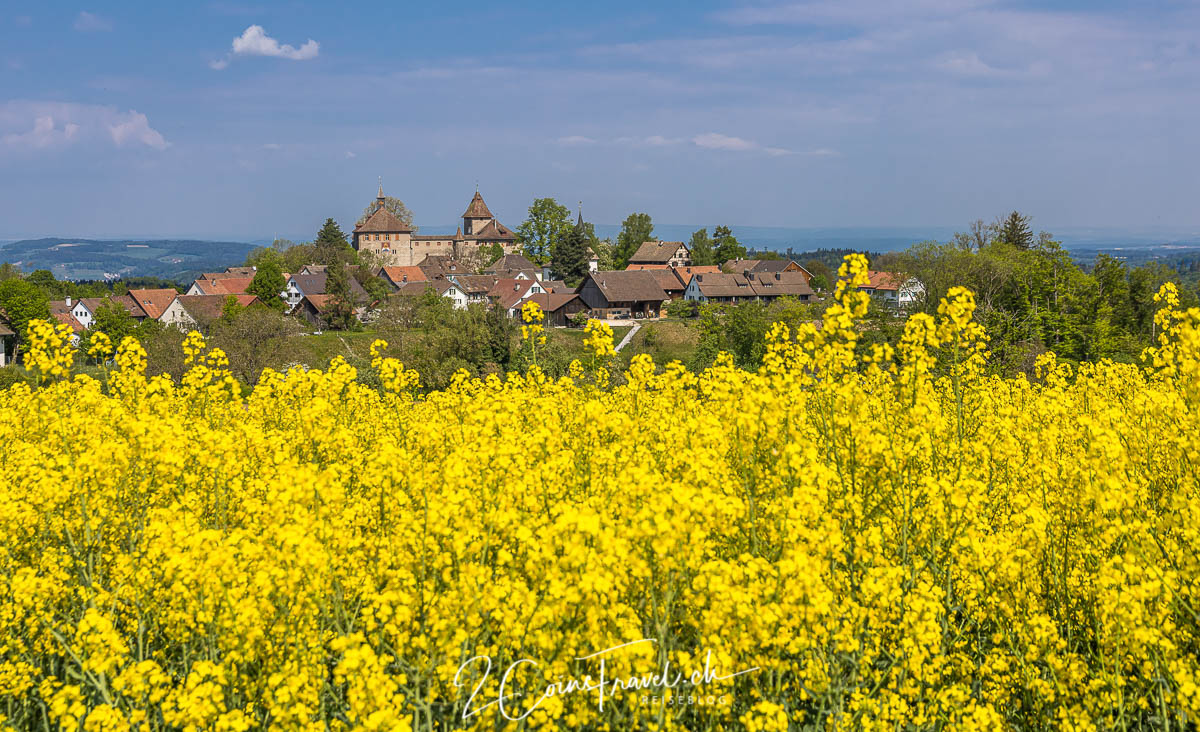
380,189
579,222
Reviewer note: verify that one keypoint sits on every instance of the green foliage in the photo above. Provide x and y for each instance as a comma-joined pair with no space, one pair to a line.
701,248
255,338
727,246
230,309
268,283
819,283
489,254
340,314
22,301
331,246
429,334
548,222
636,230
570,258
681,309
1015,232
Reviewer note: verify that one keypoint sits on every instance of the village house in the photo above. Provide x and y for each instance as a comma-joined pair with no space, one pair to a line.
622,294
63,312
394,241
316,308
84,309
509,294
893,288
436,266
397,277
300,285
441,287
188,312
685,274
476,287
747,287
8,342
765,266
233,281
671,253
154,302
558,306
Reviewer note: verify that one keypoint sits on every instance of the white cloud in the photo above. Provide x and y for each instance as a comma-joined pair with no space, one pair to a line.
350,155
716,141
254,41
26,126
650,141
87,22
573,140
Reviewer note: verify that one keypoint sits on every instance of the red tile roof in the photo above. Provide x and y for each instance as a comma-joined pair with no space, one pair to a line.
154,302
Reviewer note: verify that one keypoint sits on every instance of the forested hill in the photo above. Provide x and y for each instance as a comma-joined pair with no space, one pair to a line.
95,259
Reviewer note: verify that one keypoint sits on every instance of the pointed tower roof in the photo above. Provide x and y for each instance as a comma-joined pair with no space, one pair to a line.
477,209
380,198
579,222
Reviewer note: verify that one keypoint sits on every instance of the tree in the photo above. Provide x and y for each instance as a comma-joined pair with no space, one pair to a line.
727,246
636,230
331,245
604,254
545,226
111,319
701,247
8,272
977,236
394,206
44,279
1015,231
340,315
254,338
22,301
268,283
570,260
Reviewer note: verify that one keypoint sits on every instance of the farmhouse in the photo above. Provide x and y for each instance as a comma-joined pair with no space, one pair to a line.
765,266
747,287
893,288
199,311
299,285
672,253
558,307
625,294
154,302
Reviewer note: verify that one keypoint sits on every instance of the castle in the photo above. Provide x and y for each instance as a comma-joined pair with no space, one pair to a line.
396,243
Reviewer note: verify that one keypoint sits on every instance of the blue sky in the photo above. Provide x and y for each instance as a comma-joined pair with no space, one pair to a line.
241,120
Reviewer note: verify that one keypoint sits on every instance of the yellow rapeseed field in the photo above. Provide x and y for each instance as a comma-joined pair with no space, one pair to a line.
895,542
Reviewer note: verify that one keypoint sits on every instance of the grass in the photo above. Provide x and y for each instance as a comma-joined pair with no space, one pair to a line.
664,340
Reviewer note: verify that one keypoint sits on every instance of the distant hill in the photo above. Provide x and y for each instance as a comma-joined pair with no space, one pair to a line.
95,259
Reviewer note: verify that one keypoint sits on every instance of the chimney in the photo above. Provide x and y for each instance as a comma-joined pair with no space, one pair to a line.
699,278
68,303
776,275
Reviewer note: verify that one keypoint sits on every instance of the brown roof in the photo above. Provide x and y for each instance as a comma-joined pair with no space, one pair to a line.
229,286
551,301
667,279
204,308
131,306
648,266
383,221
511,263
494,231
154,302
557,286
629,286
656,252
400,275
758,265
440,265
5,330
778,284
314,284
62,313
477,209
476,284
884,280
782,284
508,292
685,273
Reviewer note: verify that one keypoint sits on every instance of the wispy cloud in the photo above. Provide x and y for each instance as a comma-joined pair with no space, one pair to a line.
87,22
254,41
34,126
575,140
717,141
